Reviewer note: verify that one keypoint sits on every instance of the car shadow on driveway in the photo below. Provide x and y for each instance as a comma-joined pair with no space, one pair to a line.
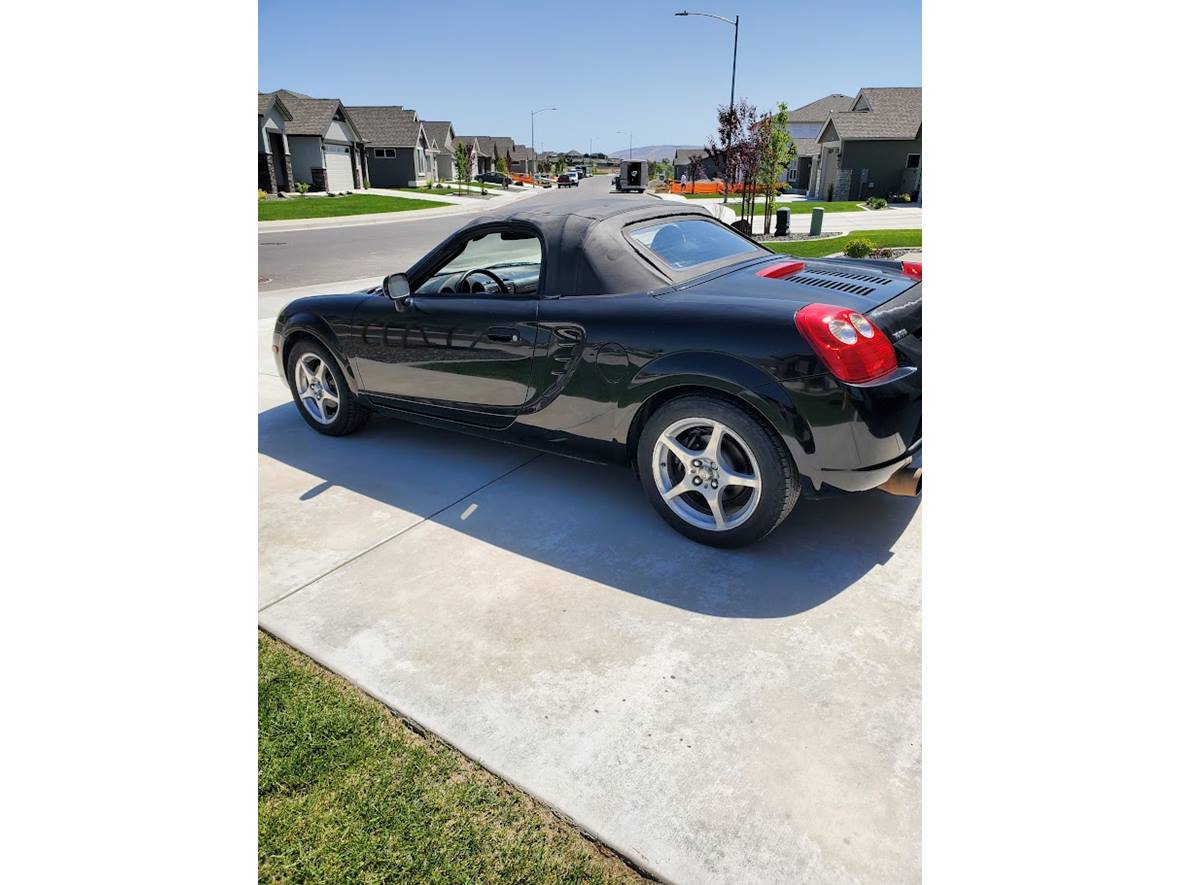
594,521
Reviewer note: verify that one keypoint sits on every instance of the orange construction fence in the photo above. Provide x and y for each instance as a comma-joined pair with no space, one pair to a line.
704,187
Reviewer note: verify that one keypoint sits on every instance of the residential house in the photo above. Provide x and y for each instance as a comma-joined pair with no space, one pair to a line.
501,150
274,155
326,150
522,159
804,124
397,149
682,164
441,135
873,149
480,151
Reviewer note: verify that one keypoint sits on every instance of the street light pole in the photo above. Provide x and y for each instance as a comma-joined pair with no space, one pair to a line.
630,140
533,134
733,75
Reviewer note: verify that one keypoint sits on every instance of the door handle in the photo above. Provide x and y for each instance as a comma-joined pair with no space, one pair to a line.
503,335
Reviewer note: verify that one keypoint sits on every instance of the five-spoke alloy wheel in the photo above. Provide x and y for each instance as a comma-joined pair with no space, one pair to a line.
715,472
320,391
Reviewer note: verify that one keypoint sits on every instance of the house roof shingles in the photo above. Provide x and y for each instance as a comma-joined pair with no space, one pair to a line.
684,155
894,113
819,110
386,125
436,131
482,143
309,116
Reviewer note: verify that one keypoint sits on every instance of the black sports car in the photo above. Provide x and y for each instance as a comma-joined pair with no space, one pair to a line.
636,331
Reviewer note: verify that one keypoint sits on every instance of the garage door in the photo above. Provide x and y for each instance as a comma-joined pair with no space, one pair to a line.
339,167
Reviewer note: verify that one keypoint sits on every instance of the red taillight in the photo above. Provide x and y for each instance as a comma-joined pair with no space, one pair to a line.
849,344
912,269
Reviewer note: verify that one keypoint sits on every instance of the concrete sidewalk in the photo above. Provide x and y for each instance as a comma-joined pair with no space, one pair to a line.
715,716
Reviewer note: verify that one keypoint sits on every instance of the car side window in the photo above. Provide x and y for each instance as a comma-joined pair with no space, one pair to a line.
494,264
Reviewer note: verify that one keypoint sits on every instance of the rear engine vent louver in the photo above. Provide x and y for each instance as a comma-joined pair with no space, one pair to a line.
836,285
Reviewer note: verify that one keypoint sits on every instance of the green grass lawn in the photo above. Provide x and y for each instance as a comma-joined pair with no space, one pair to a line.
327,207
348,793
831,245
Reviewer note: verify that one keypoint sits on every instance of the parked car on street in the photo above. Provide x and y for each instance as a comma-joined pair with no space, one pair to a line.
494,178
543,180
565,179
636,332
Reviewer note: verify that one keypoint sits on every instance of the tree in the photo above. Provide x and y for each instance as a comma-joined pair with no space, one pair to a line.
778,153
694,170
502,165
462,163
559,164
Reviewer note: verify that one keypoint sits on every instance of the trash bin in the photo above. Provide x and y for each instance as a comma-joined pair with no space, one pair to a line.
817,221
782,222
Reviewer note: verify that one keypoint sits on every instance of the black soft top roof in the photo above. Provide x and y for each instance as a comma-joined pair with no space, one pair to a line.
585,250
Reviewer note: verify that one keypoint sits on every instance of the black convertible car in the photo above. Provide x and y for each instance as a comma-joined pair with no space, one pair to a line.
636,331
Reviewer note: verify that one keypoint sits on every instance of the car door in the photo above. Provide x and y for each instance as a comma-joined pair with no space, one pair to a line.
462,355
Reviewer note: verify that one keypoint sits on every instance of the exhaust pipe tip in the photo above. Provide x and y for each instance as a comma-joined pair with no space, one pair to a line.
907,483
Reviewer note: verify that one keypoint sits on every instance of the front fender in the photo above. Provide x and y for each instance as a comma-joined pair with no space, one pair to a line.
308,323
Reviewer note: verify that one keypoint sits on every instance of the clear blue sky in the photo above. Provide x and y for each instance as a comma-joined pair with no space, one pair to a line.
606,67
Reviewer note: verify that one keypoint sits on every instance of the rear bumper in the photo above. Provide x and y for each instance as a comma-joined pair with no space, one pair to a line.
862,479
856,437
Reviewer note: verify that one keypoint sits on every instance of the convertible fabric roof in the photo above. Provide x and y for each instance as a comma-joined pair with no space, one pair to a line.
585,251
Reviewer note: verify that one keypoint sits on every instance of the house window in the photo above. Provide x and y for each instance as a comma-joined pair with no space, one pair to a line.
384,153
912,161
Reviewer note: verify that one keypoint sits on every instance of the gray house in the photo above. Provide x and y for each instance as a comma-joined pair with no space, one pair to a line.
521,159
682,164
873,149
274,155
480,151
325,149
441,135
804,124
397,150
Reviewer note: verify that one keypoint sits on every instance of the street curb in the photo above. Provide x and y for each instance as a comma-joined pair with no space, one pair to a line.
265,227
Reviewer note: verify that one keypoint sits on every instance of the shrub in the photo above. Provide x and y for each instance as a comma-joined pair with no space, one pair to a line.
859,248
302,186
367,185
875,202
430,182
261,195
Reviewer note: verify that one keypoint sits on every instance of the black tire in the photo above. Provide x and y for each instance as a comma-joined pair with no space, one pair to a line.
780,486
350,416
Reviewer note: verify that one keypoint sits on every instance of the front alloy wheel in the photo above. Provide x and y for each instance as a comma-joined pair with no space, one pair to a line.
320,391
317,387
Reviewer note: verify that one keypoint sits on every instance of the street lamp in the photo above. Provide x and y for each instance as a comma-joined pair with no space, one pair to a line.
733,75
629,140
532,134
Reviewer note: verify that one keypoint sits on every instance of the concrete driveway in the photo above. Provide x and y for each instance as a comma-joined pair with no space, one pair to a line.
715,716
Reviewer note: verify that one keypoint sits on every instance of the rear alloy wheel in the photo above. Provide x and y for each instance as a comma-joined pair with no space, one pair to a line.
320,391
715,473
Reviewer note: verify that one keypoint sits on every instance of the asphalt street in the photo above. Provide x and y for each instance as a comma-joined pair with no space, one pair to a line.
288,259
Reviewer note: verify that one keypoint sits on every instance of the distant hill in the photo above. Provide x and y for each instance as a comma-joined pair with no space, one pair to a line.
652,151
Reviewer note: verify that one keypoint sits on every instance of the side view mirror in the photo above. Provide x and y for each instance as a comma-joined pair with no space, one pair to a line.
396,287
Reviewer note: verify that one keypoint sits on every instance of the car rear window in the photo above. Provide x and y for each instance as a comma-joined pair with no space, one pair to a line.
691,241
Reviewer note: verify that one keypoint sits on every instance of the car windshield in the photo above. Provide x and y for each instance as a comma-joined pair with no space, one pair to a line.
691,241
